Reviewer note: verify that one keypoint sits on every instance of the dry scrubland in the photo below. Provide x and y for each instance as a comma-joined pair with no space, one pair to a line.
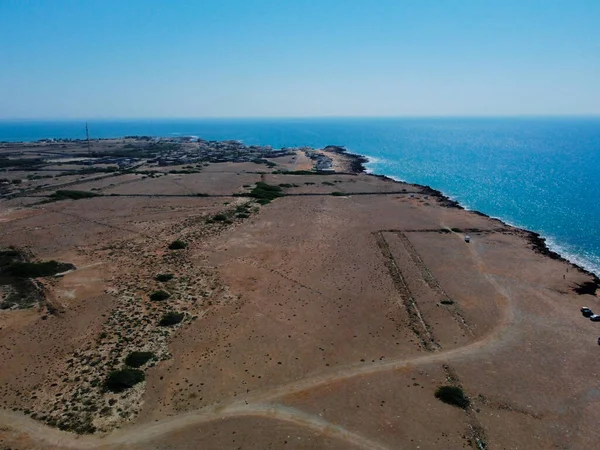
313,321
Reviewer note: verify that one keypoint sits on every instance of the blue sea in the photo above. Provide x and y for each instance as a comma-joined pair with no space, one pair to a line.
537,173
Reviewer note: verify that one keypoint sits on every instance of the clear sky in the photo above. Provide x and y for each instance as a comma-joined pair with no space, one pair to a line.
270,58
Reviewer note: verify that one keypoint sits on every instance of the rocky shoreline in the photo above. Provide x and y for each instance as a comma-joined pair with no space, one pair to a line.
536,240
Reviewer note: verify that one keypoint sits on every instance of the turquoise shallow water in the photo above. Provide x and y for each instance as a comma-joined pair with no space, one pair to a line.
538,173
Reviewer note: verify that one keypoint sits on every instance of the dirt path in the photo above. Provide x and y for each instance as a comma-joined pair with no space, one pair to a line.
256,404
261,403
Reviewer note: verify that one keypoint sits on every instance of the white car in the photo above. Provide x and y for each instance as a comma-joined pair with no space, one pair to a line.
595,318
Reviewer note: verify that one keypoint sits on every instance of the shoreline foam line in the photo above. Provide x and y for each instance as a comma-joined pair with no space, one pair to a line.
541,244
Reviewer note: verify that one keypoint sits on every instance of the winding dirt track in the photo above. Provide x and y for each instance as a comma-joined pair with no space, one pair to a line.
262,403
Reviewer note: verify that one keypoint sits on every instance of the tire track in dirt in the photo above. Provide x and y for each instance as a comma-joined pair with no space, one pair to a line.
257,403
432,282
416,322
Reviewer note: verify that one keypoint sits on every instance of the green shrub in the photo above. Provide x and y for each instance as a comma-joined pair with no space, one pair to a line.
456,230
36,269
286,185
337,194
201,195
171,318
453,395
242,215
220,218
447,301
264,192
138,359
164,277
121,380
73,195
328,183
159,296
177,245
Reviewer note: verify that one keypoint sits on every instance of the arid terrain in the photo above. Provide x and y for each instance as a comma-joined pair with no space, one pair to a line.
316,309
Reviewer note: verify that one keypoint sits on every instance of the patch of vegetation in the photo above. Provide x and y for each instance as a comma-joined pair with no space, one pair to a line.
338,194
177,245
121,380
21,163
9,256
171,318
266,162
588,287
36,269
220,218
452,395
200,194
299,172
447,301
265,193
22,292
184,172
138,359
72,195
286,185
328,183
164,277
242,215
456,230
159,296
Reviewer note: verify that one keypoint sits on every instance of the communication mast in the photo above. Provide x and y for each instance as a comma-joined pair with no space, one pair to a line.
87,133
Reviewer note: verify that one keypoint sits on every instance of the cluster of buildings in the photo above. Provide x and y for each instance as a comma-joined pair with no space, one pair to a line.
202,151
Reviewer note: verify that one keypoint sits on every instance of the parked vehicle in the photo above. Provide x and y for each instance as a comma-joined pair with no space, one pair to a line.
587,312
595,318
467,239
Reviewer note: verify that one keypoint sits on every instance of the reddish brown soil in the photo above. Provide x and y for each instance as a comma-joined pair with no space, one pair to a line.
322,326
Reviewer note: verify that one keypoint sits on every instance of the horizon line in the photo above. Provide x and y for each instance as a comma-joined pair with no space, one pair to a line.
216,118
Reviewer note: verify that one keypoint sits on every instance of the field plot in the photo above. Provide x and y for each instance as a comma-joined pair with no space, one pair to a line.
356,320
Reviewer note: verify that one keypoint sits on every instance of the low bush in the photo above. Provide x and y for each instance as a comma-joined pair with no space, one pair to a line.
159,296
452,395
171,318
264,192
36,269
138,359
177,245
73,195
338,194
447,302
164,277
220,218
121,380
456,230
328,183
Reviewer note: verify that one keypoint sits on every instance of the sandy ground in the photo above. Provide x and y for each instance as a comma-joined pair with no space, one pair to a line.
316,322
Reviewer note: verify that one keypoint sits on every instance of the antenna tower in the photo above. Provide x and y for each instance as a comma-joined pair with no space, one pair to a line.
87,133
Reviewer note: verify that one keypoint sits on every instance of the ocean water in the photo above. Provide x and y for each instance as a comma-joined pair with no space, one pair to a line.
537,173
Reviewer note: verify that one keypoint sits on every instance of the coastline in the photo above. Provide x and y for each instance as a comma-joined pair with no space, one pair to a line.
366,280
355,163
536,240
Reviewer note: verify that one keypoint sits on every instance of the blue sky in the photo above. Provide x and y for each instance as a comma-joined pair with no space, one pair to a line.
271,58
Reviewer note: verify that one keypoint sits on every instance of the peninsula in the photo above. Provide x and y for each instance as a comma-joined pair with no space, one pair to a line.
183,293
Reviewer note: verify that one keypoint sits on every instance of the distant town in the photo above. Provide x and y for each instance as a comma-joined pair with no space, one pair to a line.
21,163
